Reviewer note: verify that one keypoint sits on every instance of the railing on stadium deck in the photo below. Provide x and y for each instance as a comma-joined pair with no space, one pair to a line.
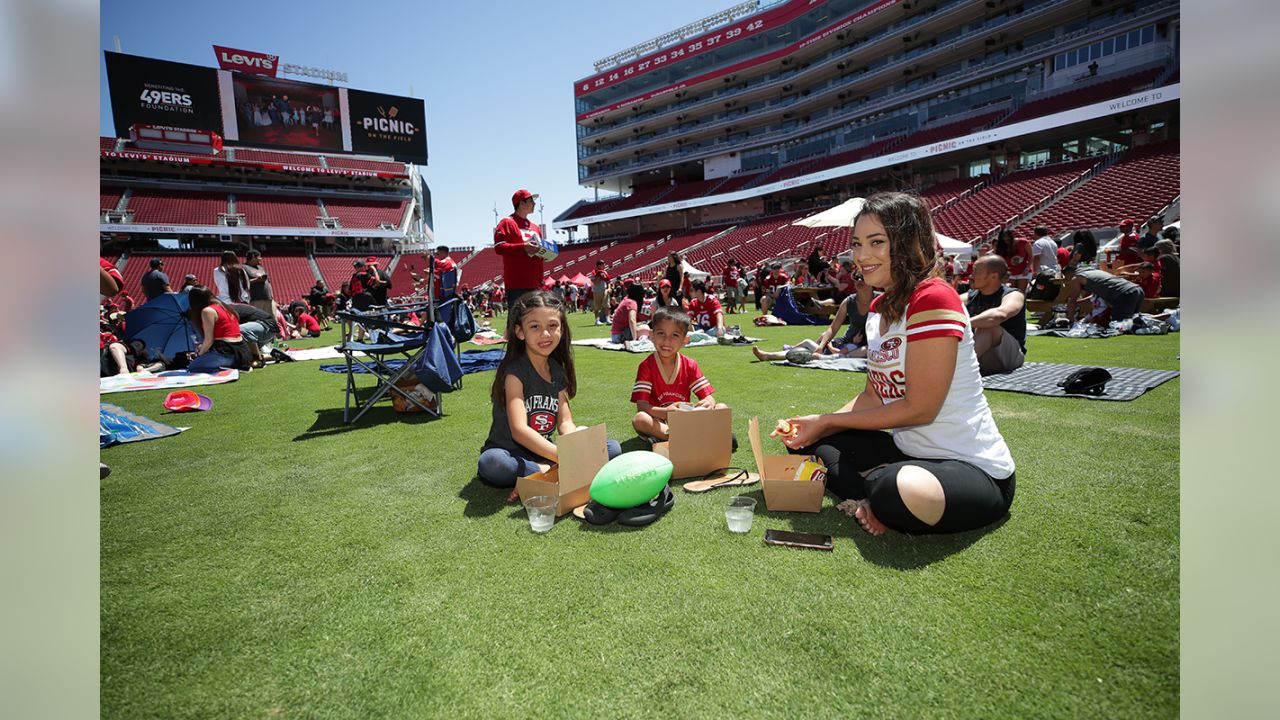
833,118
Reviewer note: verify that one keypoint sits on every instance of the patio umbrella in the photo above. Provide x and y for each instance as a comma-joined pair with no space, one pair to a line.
162,325
839,216
843,214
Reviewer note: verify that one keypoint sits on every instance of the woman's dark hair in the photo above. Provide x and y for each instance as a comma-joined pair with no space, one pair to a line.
1085,245
674,257
913,247
200,297
1004,242
237,278
635,291
516,350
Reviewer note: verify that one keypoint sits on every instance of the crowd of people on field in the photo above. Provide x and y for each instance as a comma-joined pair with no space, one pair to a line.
917,450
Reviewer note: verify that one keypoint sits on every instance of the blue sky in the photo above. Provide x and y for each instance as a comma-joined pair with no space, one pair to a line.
496,77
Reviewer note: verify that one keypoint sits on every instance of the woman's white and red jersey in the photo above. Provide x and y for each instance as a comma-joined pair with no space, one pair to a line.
704,312
652,387
964,429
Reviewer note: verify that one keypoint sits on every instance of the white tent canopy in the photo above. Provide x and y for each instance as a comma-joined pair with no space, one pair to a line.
843,214
839,216
692,272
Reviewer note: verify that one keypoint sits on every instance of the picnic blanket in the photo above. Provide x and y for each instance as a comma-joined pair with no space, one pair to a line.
1043,378
1033,378
320,353
117,425
487,337
1140,324
829,362
167,380
644,345
472,361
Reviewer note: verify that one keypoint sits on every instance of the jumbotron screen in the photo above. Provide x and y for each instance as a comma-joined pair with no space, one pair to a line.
262,111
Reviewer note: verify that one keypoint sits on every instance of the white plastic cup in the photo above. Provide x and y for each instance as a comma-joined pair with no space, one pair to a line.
542,512
739,513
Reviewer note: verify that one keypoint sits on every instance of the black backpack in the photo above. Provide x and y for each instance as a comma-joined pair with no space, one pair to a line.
1086,381
1043,287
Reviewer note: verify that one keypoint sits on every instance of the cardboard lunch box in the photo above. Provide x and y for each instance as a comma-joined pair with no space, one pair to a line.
582,453
701,441
777,475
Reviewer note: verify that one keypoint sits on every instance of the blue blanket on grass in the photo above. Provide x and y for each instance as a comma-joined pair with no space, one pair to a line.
117,425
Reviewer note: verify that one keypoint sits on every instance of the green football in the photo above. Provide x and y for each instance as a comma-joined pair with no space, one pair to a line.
631,479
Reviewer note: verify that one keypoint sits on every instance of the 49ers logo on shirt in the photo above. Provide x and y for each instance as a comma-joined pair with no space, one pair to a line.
888,351
542,422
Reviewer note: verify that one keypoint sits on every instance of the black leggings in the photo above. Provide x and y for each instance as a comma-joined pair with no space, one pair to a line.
864,465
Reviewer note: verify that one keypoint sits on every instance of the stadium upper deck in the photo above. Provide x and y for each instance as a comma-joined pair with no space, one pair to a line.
238,193
758,89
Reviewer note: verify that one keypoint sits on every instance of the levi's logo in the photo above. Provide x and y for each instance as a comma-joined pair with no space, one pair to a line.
263,62
246,61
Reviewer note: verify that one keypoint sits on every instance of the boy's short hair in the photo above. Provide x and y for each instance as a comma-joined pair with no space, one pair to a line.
672,314
699,285
1147,266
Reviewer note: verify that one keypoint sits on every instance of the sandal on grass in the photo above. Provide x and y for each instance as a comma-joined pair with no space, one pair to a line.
595,513
724,477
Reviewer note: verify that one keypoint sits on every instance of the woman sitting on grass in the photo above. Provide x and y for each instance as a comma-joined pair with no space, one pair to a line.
221,346
531,392
944,467
626,325
851,344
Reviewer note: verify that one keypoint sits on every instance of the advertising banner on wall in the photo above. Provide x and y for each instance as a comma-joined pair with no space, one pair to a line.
258,110
156,92
388,125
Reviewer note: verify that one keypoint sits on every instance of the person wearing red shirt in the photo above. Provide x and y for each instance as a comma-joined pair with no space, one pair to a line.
110,281
1064,256
304,323
516,239
600,293
667,378
1128,244
1017,255
1148,279
705,310
730,277
447,274
776,278
221,345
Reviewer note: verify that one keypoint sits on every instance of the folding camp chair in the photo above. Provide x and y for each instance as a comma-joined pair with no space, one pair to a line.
387,338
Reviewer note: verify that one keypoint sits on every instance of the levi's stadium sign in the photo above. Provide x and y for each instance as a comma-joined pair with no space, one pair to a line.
246,61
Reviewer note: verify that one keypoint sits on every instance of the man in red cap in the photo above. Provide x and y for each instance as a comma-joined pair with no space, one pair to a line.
1128,243
517,239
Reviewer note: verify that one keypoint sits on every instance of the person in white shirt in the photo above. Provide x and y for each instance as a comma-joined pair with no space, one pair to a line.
944,467
1044,251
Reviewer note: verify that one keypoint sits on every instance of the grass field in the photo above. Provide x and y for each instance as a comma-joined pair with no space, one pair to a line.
274,563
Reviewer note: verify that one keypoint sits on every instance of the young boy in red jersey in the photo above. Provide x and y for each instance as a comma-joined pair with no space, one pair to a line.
667,378
705,310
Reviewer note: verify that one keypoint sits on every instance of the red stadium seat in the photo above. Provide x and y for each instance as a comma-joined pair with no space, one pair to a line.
170,207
